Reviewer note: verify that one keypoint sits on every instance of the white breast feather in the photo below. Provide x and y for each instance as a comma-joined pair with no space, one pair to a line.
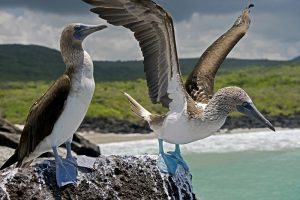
183,130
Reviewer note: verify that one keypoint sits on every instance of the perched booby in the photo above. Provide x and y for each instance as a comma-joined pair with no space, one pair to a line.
55,116
195,112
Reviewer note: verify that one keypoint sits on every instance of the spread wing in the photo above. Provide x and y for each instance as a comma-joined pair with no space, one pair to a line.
153,28
43,115
200,83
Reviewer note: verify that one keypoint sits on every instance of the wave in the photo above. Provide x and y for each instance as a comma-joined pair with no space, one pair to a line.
256,141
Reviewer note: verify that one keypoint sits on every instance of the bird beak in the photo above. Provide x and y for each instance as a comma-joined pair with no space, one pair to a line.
89,29
251,111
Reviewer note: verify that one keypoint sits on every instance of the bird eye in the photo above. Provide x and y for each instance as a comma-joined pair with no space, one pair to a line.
244,104
76,28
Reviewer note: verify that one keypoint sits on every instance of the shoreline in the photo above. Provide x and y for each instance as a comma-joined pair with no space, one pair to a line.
106,138
112,125
238,141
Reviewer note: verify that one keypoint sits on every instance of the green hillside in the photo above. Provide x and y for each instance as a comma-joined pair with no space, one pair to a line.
296,60
27,72
35,63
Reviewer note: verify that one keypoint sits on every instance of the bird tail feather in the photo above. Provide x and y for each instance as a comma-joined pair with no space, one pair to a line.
139,110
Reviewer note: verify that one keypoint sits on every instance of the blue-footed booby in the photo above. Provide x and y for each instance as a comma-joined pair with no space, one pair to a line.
195,112
56,115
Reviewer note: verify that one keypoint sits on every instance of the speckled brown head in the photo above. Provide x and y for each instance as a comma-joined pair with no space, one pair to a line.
72,38
233,96
236,99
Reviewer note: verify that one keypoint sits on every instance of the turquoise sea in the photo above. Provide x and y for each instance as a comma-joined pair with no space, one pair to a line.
246,175
241,166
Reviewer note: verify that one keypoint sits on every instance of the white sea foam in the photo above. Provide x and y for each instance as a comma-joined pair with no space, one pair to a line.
256,141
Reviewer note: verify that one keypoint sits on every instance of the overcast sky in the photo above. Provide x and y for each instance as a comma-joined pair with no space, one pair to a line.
274,31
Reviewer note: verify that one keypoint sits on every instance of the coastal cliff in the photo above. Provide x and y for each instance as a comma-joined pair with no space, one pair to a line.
113,177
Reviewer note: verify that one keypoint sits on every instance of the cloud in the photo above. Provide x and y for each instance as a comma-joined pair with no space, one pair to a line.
263,40
45,29
180,9
273,33
64,7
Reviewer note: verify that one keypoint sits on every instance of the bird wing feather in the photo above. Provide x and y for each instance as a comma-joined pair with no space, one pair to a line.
153,29
200,83
42,116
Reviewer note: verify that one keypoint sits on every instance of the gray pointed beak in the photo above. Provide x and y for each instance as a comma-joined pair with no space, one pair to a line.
250,110
89,29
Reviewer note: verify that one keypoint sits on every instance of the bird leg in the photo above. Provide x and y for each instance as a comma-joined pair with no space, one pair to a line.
165,165
69,156
66,169
168,162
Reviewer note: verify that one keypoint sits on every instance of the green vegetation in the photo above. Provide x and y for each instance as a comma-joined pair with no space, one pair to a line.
36,63
108,101
274,86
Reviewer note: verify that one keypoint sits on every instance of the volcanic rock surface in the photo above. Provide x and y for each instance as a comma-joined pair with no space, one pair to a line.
113,177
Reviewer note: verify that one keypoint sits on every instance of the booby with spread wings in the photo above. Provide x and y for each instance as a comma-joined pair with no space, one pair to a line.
195,112
55,116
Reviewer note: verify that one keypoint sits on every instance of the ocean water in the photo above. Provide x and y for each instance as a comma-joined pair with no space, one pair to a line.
259,165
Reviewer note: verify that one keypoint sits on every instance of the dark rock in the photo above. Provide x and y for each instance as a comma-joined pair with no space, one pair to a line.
82,146
8,127
277,121
10,137
5,153
9,140
113,177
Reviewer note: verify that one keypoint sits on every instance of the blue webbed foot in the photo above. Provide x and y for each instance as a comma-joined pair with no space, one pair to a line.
66,171
169,162
177,155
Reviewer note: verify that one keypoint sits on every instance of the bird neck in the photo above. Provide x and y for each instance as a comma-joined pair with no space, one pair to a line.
72,53
218,108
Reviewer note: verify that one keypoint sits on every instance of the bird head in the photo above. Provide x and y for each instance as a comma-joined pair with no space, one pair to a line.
71,42
242,103
74,34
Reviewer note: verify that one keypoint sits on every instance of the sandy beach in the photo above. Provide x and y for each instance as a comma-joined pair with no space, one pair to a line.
101,138
104,138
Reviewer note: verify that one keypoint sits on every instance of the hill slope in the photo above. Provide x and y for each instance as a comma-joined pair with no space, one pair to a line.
31,63
27,71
